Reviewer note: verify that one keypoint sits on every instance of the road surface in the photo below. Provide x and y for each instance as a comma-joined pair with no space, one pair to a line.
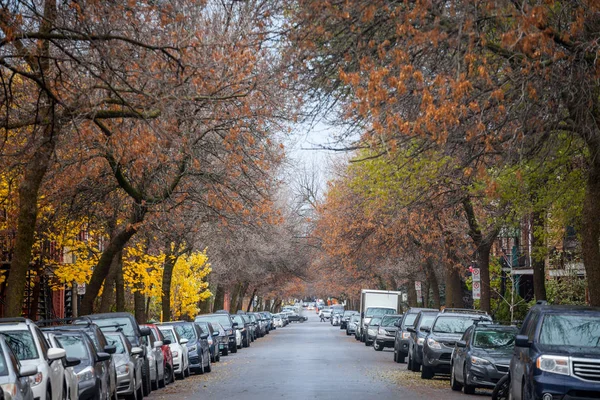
310,360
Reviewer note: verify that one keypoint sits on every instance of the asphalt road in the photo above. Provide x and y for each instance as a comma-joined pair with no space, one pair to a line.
310,360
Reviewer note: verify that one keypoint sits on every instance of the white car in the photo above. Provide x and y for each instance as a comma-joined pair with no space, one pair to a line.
238,338
181,361
71,380
32,349
156,360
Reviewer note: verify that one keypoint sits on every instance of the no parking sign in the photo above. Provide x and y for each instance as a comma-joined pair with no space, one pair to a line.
476,275
476,290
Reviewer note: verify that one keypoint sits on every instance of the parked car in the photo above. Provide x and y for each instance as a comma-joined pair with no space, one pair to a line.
277,321
418,332
93,377
352,324
129,362
226,322
166,350
157,359
371,331
253,326
346,318
14,377
386,332
197,345
336,317
446,330
126,323
481,357
98,340
69,362
244,328
325,312
32,349
557,354
181,365
212,339
402,338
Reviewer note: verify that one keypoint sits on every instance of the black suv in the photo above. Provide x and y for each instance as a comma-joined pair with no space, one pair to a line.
446,330
481,356
125,323
418,332
557,354
403,335
226,322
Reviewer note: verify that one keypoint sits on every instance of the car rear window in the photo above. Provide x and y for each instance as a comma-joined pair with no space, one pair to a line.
222,319
453,324
494,339
116,340
74,346
575,330
122,324
22,344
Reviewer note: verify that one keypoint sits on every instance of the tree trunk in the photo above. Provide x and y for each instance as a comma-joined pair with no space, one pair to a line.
120,283
425,293
205,306
590,235
116,244
108,295
251,300
234,297
241,295
433,283
219,298
454,295
33,174
412,293
139,306
168,267
538,262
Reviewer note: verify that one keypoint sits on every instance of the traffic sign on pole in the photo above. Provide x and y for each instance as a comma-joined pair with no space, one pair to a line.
476,275
476,290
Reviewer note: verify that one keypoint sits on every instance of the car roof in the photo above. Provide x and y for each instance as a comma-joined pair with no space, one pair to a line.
465,314
556,308
415,310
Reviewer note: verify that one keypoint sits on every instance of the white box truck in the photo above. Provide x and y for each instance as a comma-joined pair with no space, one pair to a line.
377,302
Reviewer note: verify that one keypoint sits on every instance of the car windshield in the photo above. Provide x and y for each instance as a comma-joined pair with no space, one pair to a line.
452,324
427,320
186,331
493,339
575,330
222,319
117,341
389,321
355,318
168,334
3,365
74,346
375,321
239,320
116,324
410,319
22,344
371,311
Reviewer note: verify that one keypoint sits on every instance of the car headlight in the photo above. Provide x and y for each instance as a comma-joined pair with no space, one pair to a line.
193,348
210,341
36,379
405,335
554,364
123,369
10,389
434,344
420,341
175,353
372,332
479,361
381,331
85,374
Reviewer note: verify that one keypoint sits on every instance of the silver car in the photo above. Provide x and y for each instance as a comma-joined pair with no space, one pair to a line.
14,379
128,362
156,360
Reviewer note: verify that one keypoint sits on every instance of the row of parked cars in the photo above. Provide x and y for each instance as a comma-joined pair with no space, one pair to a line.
553,355
110,356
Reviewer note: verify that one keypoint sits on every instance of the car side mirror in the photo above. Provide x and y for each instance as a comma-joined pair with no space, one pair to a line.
28,370
167,341
397,324
158,343
110,349
204,336
137,351
461,343
55,353
425,329
101,357
522,341
217,333
411,329
145,331
73,362
184,341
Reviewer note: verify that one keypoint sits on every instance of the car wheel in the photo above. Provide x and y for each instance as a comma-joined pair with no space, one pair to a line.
454,384
146,378
226,351
468,389
347,333
163,381
525,392
218,357
187,373
502,388
234,349
401,358
395,355
377,346
410,362
427,372
168,374
65,393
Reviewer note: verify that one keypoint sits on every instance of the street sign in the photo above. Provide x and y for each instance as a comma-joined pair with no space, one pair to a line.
81,289
418,285
404,297
476,290
476,275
